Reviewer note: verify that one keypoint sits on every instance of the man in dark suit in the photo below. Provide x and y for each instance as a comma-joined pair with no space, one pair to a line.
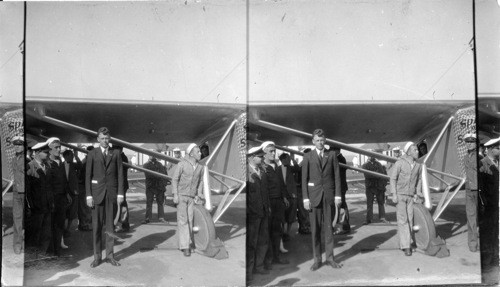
321,190
286,170
104,187
71,172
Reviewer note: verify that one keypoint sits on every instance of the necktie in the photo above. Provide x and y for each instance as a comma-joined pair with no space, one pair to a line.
321,155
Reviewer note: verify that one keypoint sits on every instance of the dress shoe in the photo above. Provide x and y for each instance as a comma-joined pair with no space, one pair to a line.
262,271
112,261
315,266
162,220
407,251
280,261
95,263
187,252
333,264
383,220
145,221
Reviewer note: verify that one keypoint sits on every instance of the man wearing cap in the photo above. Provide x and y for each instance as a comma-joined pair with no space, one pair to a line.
322,193
104,188
40,199
155,187
471,191
278,200
187,188
258,212
61,192
488,182
406,187
18,167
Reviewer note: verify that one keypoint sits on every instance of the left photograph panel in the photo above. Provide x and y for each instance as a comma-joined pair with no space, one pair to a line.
132,141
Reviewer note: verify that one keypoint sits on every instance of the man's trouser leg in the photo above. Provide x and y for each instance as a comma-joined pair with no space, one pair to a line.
160,198
18,213
84,212
302,213
185,221
42,226
276,226
262,243
369,203
346,226
253,226
327,230
471,211
316,218
404,210
381,202
124,212
149,203
58,217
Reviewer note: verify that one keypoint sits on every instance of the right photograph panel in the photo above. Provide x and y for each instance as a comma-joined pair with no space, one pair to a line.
361,134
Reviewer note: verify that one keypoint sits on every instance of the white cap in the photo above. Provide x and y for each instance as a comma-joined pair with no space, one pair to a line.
407,146
190,148
177,149
51,140
492,142
266,144
396,149
39,146
19,139
255,151
470,137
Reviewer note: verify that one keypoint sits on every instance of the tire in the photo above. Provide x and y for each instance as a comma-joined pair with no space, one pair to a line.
206,227
426,228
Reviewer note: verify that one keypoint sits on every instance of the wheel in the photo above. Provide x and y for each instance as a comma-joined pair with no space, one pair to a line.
203,227
423,226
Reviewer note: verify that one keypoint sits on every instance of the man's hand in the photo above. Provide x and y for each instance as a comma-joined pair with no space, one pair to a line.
307,205
119,200
338,201
287,204
394,198
90,202
176,199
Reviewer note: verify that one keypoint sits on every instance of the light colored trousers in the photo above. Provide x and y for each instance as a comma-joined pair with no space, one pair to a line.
185,221
404,211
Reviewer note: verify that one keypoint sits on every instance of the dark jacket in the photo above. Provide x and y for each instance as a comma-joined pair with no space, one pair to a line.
104,176
72,178
38,190
57,179
275,183
289,181
320,178
257,194
488,181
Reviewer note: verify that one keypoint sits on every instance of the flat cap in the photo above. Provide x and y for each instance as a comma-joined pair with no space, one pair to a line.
18,140
255,151
470,137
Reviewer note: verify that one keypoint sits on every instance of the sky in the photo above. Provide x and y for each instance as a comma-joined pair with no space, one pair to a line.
298,50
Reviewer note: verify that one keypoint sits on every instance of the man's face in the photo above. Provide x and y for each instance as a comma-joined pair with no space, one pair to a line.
204,151
413,152
397,154
103,140
177,154
270,153
55,149
42,155
285,161
19,148
319,142
257,160
471,145
196,153
494,151
68,157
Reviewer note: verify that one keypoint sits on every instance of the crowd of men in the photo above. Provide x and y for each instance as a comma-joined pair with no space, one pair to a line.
279,195
51,194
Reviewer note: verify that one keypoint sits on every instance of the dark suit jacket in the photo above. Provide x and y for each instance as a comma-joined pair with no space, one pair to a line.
257,196
72,178
291,185
38,191
57,179
103,177
320,178
488,182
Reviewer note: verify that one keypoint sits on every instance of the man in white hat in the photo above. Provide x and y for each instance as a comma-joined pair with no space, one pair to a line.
406,187
278,198
471,191
258,212
488,186
40,200
187,187
18,167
